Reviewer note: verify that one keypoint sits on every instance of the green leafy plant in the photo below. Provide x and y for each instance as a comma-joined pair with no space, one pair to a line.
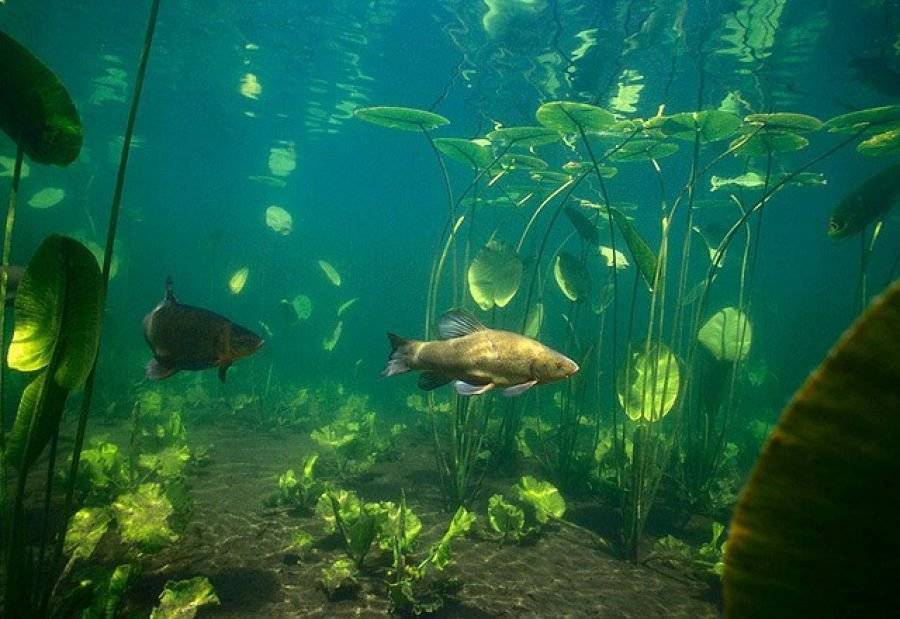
543,497
299,491
339,577
506,519
181,599
354,521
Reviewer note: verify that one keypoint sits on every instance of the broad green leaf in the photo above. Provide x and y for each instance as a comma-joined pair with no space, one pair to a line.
279,220
543,497
572,277
142,517
46,198
579,167
644,150
585,227
611,257
282,159
330,272
495,274
405,118
335,435
526,137
460,524
392,528
341,573
648,387
570,117
785,121
857,121
181,599
727,335
881,144
711,125
643,256
476,153
40,410
168,463
330,342
505,518
35,109
58,307
87,526
754,180
518,161
238,280
534,320
765,142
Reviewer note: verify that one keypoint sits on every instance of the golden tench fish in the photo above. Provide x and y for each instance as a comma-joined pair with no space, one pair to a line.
477,359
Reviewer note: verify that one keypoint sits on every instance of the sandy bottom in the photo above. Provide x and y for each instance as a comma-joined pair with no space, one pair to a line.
244,548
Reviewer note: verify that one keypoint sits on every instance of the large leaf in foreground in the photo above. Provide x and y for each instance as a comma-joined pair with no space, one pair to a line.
405,118
35,109
814,531
881,144
857,121
143,517
495,274
727,335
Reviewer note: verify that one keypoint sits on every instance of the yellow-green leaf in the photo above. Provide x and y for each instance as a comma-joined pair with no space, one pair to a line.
648,386
330,272
572,277
727,335
495,274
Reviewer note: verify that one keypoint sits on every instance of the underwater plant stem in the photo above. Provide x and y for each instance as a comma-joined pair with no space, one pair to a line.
451,206
107,262
45,521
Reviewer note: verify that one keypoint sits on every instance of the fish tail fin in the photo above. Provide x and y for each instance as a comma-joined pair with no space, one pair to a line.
398,360
170,289
158,371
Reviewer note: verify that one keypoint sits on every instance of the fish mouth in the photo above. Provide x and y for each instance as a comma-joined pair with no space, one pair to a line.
573,370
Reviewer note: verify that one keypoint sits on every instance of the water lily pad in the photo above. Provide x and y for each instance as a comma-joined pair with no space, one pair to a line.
616,258
345,306
580,167
35,109
644,150
711,125
238,280
404,118
495,274
46,198
727,335
181,599
648,388
476,153
518,161
282,159
302,306
765,142
526,137
585,228
881,144
279,220
785,121
250,86
856,121
330,272
809,532
570,117
143,517
331,342
572,277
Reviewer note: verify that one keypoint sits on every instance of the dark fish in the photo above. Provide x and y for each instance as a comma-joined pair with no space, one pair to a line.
182,337
876,73
865,204
477,359
12,283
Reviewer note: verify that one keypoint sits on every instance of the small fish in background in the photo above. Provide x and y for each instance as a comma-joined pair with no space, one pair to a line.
877,73
13,278
867,203
477,359
182,337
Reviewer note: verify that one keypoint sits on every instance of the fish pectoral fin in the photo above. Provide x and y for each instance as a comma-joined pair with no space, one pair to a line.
466,389
158,371
223,368
515,390
431,380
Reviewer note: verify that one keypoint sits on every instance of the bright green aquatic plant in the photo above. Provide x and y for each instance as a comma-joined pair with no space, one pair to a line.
727,335
494,275
650,384
572,277
299,491
506,519
543,497
143,517
182,599
405,118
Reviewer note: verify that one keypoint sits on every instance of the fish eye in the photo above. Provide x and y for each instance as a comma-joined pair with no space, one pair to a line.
833,226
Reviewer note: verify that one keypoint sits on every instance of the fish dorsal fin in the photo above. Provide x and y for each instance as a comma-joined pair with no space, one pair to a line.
170,291
457,323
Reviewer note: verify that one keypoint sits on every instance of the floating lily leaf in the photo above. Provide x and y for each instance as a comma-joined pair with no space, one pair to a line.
549,179
405,118
785,121
711,125
585,228
809,529
282,159
727,335
525,137
648,389
279,220
495,274
302,306
329,343
881,144
543,496
578,167
618,259
142,517
8,165
181,599
35,109
87,527
250,86
534,320
345,306
46,197
644,150
476,153
516,161
238,280
766,142
269,180
330,272
570,117
572,277
856,121
640,251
